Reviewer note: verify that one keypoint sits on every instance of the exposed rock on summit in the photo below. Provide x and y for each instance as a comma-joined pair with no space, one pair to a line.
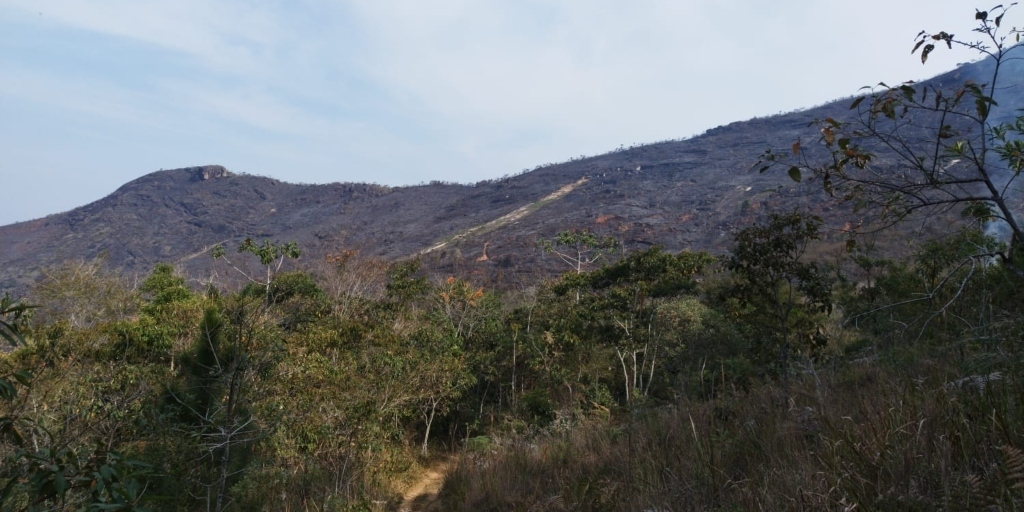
208,172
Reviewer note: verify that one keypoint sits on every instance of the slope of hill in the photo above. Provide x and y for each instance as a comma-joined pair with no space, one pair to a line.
681,194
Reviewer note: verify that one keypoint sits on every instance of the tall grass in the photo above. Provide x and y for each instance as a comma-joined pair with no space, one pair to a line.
909,434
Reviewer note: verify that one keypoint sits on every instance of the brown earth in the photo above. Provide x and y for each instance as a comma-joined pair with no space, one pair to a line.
421,495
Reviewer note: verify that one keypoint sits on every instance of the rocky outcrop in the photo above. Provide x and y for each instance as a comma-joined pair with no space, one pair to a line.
208,172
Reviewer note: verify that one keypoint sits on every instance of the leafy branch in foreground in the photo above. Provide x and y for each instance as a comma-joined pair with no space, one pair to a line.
923,149
13,315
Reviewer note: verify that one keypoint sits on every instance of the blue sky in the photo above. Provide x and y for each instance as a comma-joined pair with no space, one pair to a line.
95,94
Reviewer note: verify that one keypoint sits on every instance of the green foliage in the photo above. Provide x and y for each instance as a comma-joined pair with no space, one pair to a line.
637,384
873,436
63,479
404,284
163,288
296,297
217,394
943,293
141,339
605,329
579,248
538,406
785,295
268,252
271,255
13,316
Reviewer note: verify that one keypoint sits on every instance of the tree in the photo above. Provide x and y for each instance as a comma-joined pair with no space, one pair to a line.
42,468
626,299
235,350
458,307
783,291
271,256
579,249
921,149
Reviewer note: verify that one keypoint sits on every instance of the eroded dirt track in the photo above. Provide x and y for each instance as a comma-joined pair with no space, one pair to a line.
421,496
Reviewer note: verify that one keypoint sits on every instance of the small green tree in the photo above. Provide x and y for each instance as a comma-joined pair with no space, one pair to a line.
625,299
579,248
783,291
235,349
271,256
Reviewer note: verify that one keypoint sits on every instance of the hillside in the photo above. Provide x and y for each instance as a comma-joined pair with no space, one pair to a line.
680,194
789,374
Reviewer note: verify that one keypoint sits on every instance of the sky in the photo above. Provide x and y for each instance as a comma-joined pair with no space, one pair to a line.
399,92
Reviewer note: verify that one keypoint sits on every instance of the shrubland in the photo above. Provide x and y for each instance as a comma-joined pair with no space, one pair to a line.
767,378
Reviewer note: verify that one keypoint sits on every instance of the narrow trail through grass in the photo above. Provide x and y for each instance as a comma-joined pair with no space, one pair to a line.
421,495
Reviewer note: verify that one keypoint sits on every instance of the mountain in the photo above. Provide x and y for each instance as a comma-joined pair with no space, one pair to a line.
682,194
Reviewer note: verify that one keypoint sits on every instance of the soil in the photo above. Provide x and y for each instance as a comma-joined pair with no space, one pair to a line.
421,495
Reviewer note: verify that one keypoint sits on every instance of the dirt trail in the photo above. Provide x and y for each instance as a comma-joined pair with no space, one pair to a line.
508,218
421,496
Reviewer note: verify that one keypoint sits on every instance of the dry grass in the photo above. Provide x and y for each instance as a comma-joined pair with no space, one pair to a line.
866,436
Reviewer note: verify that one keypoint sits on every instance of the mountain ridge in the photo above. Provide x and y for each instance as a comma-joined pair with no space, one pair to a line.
681,194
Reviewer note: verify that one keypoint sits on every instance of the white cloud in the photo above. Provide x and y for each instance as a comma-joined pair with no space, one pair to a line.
223,35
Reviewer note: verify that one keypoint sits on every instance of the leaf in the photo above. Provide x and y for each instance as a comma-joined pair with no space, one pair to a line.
856,102
10,335
916,46
924,53
999,19
796,148
24,377
851,244
829,136
979,211
981,15
7,390
794,173
60,483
